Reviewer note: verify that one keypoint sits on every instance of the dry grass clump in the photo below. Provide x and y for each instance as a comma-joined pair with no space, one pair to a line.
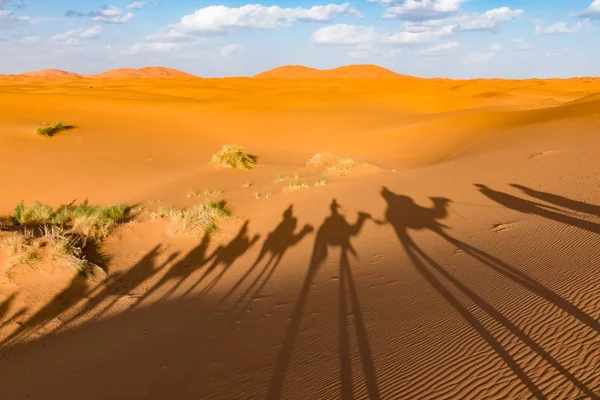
213,192
49,130
281,178
60,235
199,219
295,186
84,220
321,182
234,156
52,243
333,165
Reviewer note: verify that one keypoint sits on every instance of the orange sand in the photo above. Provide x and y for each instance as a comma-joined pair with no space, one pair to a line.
443,289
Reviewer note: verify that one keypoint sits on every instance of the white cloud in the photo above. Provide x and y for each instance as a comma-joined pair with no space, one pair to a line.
419,36
29,41
556,52
478,58
419,10
221,19
9,21
151,47
73,37
561,27
521,45
593,11
231,49
368,51
487,21
343,34
442,48
495,47
136,5
110,14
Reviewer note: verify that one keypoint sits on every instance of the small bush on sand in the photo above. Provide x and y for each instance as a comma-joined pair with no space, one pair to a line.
281,178
321,182
234,156
63,233
83,220
295,186
26,248
333,165
50,130
199,219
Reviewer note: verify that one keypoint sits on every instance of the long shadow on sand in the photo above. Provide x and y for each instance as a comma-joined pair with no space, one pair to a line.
543,210
404,215
560,201
334,232
277,243
225,256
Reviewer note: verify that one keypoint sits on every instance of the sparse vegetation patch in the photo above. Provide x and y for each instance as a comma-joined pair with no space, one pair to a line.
295,186
199,219
61,234
333,165
233,156
49,130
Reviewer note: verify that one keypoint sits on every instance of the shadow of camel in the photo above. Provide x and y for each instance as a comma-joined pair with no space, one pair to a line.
277,243
561,201
404,215
181,270
334,232
225,256
530,207
62,302
122,284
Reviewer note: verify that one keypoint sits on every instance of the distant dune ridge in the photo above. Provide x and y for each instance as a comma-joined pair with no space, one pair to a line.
364,71
51,73
145,72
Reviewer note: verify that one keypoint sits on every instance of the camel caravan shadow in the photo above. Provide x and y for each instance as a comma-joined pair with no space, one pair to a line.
335,232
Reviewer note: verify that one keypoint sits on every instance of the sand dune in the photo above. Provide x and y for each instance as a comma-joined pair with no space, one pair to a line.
51,73
145,72
345,72
455,257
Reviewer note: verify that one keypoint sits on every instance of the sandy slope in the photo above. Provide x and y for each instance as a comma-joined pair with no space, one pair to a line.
448,290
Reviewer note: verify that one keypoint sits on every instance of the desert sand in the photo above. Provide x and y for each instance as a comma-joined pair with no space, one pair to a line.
460,261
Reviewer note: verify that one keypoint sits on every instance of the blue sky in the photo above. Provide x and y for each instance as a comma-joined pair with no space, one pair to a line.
447,38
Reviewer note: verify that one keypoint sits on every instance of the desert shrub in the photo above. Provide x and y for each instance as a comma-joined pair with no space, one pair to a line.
333,165
234,156
197,220
281,178
26,248
321,182
50,130
295,186
84,220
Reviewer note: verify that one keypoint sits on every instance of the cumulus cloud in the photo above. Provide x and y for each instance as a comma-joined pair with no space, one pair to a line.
151,47
420,10
440,49
561,27
593,11
110,14
136,5
478,58
418,36
556,52
230,49
343,34
521,45
221,19
9,21
73,37
29,41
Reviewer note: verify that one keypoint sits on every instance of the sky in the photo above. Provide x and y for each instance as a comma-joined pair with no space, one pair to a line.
427,38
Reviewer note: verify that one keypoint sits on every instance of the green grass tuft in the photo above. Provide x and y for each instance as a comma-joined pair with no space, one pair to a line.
196,220
51,129
234,157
